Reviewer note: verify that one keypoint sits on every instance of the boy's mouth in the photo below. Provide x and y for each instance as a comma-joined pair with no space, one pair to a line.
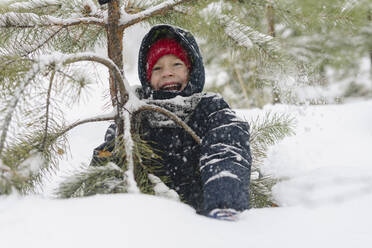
171,87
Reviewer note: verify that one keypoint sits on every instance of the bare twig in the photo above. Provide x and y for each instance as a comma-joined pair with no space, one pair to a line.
43,43
97,119
171,116
240,79
47,110
270,12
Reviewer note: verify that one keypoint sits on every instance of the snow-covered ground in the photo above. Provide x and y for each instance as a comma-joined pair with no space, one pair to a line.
326,196
325,192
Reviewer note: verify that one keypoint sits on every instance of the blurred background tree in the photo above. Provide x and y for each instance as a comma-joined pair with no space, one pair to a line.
265,51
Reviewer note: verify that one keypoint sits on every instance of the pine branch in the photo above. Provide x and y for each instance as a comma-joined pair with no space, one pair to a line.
67,59
106,177
265,131
11,107
246,36
10,70
10,180
268,131
261,192
30,20
24,42
27,162
72,82
40,45
146,14
108,63
93,180
272,128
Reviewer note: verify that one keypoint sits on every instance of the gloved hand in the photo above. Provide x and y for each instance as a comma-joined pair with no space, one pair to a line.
103,153
224,214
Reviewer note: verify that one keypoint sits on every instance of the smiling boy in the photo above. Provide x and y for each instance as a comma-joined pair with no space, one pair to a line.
214,176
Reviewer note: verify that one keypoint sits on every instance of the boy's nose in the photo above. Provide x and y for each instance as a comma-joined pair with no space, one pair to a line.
167,71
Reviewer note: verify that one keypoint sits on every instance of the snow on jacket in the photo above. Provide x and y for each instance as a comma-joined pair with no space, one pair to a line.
214,174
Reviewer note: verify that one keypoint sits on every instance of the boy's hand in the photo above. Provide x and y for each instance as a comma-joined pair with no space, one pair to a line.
104,154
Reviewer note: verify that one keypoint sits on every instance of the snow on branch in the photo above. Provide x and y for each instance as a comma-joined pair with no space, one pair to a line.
131,19
246,36
129,144
30,20
34,4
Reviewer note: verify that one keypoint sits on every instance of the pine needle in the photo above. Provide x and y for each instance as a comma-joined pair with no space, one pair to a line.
265,131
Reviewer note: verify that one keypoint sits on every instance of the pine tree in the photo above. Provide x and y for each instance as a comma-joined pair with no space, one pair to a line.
42,43
335,36
310,38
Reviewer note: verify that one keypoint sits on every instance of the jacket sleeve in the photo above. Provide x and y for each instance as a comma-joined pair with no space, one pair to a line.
103,153
225,162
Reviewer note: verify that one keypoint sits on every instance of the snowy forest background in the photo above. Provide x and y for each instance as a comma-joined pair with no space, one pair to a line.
300,70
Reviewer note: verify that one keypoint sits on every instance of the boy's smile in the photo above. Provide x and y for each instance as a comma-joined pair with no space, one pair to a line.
169,74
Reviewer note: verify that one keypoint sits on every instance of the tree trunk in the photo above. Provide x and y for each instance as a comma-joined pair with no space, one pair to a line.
271,29
114,45
370,63
271,20
369,17
115,50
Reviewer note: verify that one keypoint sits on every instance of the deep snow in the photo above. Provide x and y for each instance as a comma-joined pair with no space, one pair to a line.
326,194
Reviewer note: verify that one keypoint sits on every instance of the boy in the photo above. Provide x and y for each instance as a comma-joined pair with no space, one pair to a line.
212,177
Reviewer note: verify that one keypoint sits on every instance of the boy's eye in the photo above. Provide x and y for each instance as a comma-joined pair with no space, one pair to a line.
156,68
177,63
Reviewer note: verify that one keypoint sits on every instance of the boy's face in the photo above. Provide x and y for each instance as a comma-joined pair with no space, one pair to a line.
169,74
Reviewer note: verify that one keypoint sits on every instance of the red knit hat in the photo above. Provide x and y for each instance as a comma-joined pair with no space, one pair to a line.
164,47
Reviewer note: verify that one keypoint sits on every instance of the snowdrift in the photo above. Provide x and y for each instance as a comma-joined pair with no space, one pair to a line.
325,192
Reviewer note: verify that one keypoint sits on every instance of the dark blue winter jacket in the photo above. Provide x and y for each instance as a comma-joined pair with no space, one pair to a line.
214,174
